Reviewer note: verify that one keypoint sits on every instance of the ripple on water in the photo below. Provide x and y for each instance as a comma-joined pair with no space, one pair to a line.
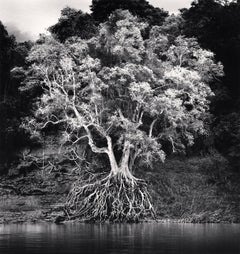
147,238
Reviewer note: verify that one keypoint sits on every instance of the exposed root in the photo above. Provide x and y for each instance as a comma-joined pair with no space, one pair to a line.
115,198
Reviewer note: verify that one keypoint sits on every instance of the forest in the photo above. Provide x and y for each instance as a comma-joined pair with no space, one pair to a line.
124,114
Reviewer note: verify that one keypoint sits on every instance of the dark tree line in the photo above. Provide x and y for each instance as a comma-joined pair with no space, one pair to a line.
216,25
12,104
141,8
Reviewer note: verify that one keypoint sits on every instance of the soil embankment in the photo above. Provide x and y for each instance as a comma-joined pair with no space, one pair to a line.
196,190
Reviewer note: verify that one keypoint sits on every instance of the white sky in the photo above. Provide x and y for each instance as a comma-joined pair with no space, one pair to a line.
28,18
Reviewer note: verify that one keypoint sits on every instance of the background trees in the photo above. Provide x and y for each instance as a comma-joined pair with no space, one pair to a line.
74,23
101,9
12,54
216,25
7,44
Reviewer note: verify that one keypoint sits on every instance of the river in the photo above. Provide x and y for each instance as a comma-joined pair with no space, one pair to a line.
147,238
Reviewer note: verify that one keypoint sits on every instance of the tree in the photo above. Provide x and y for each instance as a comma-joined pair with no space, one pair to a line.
152,90
173,26
73,23
101,9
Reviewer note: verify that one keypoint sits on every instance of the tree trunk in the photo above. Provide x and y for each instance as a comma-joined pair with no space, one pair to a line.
124,164
112,159
123,167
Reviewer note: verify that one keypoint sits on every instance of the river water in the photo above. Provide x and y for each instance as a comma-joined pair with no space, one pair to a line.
146,238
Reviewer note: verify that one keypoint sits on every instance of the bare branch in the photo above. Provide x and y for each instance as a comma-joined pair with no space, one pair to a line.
54,123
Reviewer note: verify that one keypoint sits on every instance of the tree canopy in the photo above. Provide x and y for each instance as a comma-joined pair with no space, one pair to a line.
101,9
73,23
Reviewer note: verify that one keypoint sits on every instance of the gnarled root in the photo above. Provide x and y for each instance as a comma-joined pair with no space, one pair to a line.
115,198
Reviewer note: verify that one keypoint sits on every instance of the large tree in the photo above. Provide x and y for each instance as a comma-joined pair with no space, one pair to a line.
148,91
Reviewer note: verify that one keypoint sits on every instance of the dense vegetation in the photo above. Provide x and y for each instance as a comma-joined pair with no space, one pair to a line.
216,25
12,108
117,91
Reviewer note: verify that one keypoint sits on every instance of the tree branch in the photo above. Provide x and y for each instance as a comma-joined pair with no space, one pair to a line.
94,148
151,127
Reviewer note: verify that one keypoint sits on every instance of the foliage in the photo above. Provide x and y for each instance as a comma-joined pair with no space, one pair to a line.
227,131
217,27
11,104
7,44
173,26
76,23
73,23
101,10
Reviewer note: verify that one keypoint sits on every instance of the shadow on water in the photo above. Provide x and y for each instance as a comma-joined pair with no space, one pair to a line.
120,238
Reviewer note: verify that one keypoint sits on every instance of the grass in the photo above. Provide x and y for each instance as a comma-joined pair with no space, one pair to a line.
199,189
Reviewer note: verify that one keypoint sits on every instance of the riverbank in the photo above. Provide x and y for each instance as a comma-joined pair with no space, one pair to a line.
193,190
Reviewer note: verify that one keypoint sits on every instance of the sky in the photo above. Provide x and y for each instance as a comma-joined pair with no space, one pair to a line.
27,18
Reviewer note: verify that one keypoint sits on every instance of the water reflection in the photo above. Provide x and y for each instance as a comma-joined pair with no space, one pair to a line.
120,238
